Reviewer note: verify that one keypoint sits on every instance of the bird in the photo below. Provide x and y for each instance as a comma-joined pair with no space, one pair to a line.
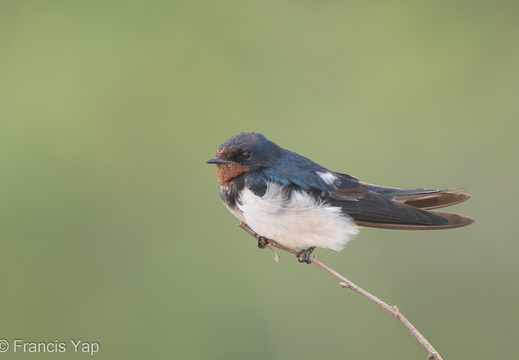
290,199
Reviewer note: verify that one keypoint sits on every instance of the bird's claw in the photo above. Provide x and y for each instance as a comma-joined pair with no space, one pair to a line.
262,242
303,256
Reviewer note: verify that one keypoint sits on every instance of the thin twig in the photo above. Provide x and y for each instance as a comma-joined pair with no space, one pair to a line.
347,284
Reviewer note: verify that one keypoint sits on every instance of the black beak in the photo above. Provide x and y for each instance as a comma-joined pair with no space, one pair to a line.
216,160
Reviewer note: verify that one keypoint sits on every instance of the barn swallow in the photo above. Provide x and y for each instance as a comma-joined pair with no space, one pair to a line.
288,198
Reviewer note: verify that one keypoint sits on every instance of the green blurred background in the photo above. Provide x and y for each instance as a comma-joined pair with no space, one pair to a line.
112,230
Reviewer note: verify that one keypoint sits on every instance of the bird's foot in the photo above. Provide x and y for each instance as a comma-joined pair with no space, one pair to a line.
303,256
262,242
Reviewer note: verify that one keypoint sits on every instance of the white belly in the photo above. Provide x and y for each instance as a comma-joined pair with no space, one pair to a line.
298,221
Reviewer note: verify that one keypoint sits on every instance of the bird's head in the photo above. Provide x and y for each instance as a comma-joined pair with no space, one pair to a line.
244,152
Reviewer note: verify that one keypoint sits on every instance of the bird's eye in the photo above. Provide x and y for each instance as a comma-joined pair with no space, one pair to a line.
245,154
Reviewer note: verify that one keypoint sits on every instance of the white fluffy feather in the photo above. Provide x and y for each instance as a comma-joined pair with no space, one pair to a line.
296,221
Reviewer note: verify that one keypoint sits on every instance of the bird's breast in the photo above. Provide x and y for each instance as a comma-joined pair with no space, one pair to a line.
295,218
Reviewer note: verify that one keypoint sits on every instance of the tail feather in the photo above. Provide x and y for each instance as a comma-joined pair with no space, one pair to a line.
453,221
408,209
426,199
436,200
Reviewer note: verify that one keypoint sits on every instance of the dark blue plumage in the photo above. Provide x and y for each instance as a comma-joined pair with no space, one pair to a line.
291,199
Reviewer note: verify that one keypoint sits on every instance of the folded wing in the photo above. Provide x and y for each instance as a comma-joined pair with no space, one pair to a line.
393,208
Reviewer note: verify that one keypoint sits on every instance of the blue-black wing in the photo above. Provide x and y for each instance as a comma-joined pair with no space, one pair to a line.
392,208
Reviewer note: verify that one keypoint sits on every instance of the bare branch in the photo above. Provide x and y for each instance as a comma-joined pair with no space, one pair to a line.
347,284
